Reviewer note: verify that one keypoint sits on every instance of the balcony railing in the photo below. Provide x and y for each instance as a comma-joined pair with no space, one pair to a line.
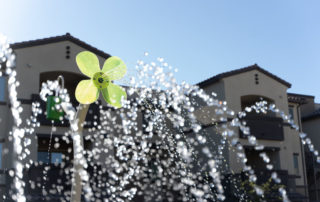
263,175
93,114
56,183
264,127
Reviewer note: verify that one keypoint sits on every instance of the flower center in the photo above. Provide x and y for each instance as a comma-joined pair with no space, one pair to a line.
101,80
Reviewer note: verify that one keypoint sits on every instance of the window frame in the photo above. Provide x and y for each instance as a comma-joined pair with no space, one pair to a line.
296,169
1,151
4,87
49,161
291,113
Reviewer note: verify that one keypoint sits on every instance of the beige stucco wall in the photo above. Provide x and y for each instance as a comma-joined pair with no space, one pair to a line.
206,115
244,84
51,57
30,62
296,145
218,89
233,87
37,59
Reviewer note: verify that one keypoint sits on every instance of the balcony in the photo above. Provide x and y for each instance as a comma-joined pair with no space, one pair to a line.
264,127
56,183
263,176
90,118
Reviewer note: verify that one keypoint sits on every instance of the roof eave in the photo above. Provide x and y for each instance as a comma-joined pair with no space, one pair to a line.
301,95
66,37
238,71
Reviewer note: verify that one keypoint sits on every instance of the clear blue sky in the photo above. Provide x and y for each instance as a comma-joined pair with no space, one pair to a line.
200,38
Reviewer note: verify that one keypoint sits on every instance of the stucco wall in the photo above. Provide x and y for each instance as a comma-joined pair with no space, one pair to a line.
30,63
232,88
50,57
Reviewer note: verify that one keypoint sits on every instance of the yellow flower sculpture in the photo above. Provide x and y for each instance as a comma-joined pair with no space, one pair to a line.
87,91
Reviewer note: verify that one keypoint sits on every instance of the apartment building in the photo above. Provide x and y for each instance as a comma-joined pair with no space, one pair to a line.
310,117
45,59
244,87
38,61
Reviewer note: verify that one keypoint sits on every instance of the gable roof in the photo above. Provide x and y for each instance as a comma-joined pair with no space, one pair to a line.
218,77
55,39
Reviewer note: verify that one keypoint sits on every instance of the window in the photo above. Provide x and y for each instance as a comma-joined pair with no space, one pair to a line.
0,155
291,112
60,149
43,157
296,163
56,157
52,157
2,88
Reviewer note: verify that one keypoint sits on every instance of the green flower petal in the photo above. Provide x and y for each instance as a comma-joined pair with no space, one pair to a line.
88,63
113,95
86,92
114,68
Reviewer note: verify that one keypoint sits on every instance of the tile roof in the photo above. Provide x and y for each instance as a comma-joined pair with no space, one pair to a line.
218,77
304,99
66,37
301,95
298,98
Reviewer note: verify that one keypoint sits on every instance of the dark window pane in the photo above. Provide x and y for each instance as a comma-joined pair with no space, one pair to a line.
0,155
56,157
291,112
2,88
43,157
296,163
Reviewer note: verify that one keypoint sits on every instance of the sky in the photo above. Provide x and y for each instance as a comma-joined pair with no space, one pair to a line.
201,38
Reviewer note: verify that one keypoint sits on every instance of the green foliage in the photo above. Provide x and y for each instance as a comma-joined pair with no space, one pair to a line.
269,188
